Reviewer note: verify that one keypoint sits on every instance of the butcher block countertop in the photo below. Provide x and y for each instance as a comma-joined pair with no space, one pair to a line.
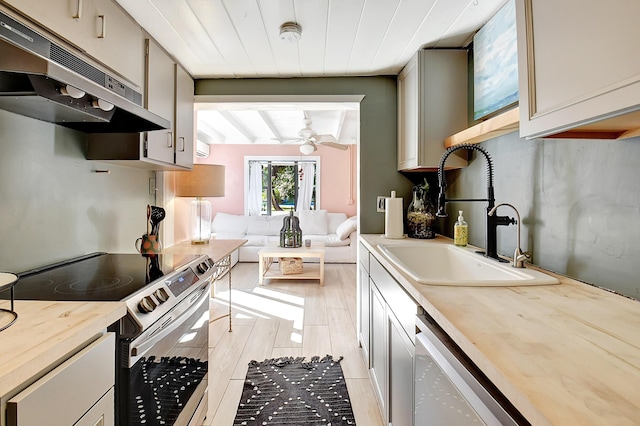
566,354
216,249
45,333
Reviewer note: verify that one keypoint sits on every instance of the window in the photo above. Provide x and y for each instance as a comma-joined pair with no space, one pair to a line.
277,186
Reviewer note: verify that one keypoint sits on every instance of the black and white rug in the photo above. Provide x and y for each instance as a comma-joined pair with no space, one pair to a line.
290,391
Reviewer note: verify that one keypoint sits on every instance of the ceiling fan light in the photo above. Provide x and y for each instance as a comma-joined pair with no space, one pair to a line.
290,32
307,148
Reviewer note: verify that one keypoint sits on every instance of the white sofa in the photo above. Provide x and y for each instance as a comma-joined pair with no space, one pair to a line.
335,230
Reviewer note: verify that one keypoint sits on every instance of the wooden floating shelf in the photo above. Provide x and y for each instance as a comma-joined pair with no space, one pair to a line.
499,125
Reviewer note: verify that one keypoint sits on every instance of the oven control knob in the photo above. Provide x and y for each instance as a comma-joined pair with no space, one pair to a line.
203,267
146,305
161,294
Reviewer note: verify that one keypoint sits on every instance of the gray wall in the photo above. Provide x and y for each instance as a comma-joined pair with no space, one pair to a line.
53,205
378,134
579,201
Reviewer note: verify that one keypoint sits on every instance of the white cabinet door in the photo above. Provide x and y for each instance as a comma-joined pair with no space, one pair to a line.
160,100
432,105
99,28
184,118
577,63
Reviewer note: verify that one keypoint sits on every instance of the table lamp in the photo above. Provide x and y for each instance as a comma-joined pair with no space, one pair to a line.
204,180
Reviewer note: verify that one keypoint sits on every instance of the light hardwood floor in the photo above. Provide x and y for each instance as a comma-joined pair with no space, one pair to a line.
285,318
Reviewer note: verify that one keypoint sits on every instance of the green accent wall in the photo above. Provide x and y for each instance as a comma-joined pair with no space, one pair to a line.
378,129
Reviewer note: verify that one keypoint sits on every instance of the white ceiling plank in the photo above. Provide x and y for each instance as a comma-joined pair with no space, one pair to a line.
372,29
286,54
312,16
470,20
406,21
221,32
343,24
247,20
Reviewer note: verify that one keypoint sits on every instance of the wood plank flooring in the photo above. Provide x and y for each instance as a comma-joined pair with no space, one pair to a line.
285,318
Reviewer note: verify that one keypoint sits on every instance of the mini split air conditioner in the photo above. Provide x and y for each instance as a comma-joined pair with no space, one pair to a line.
202,149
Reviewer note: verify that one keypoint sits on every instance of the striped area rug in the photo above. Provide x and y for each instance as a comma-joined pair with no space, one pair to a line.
291,391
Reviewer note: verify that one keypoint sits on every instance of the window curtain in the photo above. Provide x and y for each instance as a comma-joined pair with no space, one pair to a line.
254,201
305,188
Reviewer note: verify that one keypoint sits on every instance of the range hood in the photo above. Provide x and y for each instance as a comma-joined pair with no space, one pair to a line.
42,80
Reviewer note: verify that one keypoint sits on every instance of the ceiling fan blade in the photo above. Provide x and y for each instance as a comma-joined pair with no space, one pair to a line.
285,141
325,138
335,145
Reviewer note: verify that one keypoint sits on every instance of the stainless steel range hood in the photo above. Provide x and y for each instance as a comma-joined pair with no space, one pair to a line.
43,80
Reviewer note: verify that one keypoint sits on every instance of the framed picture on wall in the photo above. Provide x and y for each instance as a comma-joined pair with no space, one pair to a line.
495,64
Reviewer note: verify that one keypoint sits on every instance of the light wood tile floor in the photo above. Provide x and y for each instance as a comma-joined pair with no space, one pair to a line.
285,318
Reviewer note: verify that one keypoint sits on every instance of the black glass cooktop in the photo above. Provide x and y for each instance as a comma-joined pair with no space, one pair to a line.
96,277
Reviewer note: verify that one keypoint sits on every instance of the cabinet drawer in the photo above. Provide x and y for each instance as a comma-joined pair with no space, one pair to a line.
69,390
400,303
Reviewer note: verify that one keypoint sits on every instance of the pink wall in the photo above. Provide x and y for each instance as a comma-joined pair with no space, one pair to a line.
337,174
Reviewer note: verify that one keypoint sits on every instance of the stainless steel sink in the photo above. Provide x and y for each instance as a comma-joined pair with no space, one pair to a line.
447,265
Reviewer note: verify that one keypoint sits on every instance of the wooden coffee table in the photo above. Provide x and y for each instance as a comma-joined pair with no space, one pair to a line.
310,271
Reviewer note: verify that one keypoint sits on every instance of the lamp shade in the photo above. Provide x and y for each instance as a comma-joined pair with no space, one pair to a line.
204,180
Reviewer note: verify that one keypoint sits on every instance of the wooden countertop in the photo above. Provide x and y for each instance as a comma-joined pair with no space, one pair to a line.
45,332
566,354
216,249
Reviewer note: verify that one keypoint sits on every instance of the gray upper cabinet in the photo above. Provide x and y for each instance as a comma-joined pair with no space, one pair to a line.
160,93
432,105
184,117
98,28
578,68
170,94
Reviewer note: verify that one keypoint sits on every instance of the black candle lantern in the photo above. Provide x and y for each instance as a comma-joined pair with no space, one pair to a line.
290,234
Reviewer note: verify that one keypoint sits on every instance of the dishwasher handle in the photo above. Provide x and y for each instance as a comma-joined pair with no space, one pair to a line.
476,391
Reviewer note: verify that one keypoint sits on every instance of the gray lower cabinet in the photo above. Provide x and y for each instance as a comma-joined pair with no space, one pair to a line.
79,391
379,359
363,292
392,329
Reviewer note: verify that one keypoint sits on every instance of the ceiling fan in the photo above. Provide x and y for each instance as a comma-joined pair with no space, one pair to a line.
310,139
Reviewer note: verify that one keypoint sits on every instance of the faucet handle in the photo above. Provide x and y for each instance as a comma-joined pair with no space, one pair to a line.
519,257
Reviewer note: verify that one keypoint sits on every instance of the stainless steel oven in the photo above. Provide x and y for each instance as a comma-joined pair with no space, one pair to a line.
162,342
164,369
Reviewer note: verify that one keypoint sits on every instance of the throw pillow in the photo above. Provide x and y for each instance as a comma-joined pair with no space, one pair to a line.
230,223
264,225
347,227
313,222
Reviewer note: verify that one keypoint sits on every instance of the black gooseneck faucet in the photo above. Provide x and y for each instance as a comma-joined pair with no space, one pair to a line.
492,221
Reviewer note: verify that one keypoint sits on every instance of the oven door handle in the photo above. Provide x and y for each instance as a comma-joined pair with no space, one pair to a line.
140,348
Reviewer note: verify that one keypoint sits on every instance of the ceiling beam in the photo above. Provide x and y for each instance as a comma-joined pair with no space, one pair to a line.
340,124
267,120
238,125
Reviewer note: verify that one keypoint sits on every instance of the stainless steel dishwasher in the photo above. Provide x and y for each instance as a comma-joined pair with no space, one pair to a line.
449,389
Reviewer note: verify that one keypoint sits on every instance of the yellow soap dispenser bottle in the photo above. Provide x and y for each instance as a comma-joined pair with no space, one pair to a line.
460,231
